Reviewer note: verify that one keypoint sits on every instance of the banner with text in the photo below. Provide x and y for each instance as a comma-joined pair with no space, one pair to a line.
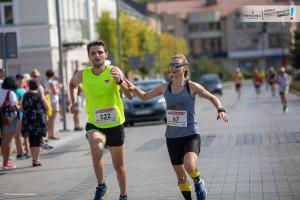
270,13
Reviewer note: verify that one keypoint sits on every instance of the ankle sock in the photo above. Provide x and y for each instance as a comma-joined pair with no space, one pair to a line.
195,176
185,189
102,185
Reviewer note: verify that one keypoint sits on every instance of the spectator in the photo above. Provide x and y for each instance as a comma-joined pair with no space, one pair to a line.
34,123
2,76
36,75
52,88
9,102
20,91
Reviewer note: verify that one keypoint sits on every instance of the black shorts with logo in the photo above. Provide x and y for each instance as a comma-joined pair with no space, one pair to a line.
115,136
178,147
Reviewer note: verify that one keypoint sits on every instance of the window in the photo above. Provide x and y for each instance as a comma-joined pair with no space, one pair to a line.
251,25
275,40
6,13
238,25
204,27
193,27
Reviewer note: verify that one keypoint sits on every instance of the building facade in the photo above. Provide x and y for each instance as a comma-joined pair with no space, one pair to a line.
213,29
35,25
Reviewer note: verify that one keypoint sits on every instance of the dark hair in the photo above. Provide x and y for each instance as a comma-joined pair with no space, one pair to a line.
9,83
50,73
19,77
33,85
96,43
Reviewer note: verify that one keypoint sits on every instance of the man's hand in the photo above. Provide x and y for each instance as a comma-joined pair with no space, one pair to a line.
73,108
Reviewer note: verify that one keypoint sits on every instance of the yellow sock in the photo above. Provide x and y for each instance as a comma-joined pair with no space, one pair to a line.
195,176
186,190
185,187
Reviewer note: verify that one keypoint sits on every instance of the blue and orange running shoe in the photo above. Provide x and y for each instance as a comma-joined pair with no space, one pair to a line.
200,190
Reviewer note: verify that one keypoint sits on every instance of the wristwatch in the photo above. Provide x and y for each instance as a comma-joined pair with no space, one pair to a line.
221,110
120,82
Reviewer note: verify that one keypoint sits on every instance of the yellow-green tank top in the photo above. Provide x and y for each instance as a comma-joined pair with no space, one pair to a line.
104,104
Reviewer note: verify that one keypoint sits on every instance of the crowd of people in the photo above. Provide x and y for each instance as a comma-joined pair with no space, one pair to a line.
270,78
28,110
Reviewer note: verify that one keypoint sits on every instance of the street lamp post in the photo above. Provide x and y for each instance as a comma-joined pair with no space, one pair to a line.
157,37
61,61
119,36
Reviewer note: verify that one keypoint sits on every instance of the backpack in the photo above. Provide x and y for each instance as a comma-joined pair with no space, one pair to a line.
6,115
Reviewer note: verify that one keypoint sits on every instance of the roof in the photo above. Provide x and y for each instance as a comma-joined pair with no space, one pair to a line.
178,8
225,7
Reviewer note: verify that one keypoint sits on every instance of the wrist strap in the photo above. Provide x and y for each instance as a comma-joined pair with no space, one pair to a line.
221,110
120,82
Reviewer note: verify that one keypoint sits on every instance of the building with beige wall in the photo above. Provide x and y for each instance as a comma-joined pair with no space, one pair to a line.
34,22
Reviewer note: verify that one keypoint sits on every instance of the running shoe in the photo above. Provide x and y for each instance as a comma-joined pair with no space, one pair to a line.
21,157
78,129
200,190
46,146
286,109
27,156
9,165
101,191
123,198
36,163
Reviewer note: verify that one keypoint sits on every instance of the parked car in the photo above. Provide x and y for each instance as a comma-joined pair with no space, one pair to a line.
212,83
137,110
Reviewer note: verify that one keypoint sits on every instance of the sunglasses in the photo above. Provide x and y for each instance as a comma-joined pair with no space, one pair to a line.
176,65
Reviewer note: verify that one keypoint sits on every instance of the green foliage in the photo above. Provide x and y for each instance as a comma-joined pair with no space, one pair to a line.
130,40
169,46
206,66
296,85
295,49
139,39
167,49
247,74
181,46
106,27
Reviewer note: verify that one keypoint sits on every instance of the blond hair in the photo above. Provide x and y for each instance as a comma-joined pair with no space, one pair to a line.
182,57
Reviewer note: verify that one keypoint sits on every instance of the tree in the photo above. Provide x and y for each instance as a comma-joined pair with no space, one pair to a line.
169,46
106,27
139,40
206,66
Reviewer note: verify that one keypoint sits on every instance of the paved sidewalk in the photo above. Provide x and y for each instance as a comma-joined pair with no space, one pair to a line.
256,156
68,134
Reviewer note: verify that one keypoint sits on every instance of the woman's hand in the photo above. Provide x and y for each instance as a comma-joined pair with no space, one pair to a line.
223,116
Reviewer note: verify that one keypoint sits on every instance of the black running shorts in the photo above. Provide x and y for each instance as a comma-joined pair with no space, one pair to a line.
115,136
178,147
